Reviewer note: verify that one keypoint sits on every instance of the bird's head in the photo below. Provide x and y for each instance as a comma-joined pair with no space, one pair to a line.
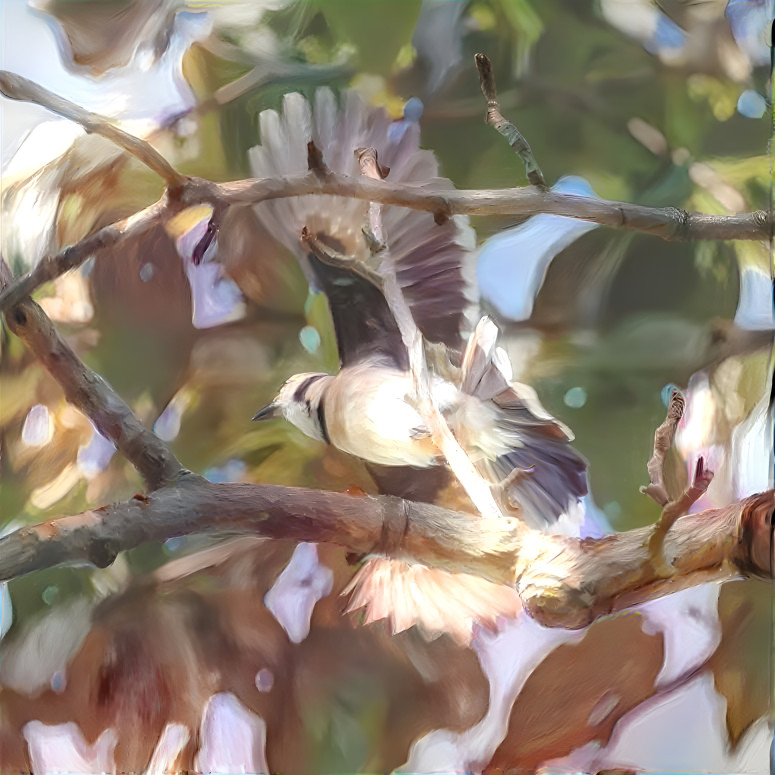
300,402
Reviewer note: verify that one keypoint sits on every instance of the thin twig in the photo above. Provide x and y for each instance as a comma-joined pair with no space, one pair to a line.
496,120
667,223
16,87
51,267
663,440
477,489
672,511
90,393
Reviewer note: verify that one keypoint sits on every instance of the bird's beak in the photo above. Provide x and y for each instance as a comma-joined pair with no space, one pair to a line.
268,412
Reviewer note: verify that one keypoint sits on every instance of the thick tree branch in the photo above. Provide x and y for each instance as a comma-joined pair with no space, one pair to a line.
564,582
496,120
16,87
91,393
567,582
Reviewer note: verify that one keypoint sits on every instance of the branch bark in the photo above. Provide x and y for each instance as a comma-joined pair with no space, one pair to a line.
90,393
563,582
669,223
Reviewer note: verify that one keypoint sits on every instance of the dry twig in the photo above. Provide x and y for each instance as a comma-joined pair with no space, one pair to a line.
670,513
663,440
496,120
16,87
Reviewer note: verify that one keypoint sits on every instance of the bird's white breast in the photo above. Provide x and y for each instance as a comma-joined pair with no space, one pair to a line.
370,413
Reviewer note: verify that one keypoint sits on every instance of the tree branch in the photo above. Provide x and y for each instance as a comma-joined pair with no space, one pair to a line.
51,267
496,120
16,87
90,393
564,582
669,223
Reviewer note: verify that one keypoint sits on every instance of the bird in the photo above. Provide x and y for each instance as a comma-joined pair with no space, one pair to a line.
369,409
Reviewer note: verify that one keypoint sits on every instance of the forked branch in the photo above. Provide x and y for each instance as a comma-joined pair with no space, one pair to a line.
16,87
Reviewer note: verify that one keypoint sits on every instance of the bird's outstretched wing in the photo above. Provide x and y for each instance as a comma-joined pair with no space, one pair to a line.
364,326
435,263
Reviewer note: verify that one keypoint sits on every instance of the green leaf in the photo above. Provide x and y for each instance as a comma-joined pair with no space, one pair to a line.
377,28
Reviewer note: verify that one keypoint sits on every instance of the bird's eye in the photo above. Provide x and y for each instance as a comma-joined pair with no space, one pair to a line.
308,406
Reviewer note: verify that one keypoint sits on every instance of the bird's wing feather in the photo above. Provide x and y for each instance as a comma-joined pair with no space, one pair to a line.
437,601
538,442
435,263
364,326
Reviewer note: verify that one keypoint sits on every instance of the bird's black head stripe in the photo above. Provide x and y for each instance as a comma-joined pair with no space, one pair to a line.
298,394
322,423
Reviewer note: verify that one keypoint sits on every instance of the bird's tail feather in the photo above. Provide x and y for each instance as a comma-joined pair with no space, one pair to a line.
549,475
435,600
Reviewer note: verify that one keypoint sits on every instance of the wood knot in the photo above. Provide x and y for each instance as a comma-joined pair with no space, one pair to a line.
395,521
102,553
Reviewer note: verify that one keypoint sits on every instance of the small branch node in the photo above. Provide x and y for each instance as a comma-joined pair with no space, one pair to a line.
682,224
368,161
441,216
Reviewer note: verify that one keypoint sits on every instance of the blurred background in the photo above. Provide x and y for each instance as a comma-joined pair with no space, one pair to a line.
660,104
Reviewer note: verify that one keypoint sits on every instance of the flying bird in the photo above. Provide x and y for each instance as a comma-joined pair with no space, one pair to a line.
369,408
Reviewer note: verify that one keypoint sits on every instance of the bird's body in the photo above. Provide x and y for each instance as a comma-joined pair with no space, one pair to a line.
370,410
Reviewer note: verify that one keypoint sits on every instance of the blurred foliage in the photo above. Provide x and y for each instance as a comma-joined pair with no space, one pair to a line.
573,84
628,322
